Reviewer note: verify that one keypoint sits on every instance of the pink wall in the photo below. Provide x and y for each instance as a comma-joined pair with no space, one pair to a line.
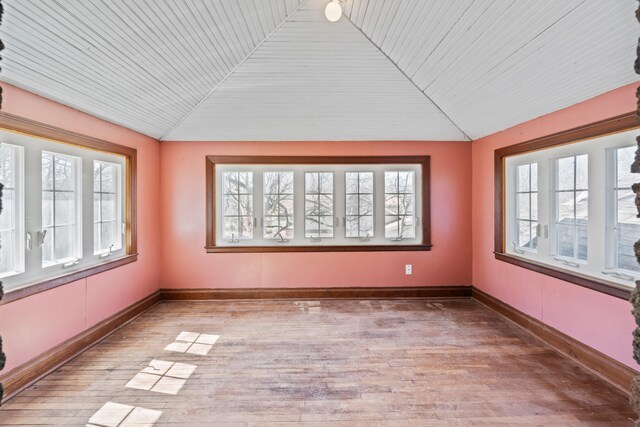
598,320
32,325
186,265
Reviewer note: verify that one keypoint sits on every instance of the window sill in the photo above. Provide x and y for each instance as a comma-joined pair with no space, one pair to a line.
596,284
341,248
47,284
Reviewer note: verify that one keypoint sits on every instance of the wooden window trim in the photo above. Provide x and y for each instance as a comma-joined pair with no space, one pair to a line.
32,128
601,128
210,168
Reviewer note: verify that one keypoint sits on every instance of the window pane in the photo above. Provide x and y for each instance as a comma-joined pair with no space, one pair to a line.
534,177
534,206
64,242
566,173
523,178
524,234
582,172
524,208
624,158
566,235
10,222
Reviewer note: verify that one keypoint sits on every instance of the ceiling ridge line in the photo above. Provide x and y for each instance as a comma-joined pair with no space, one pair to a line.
233,70
410,79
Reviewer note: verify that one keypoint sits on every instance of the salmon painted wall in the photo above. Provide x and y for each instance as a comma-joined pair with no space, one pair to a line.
185,264
34,324
598,320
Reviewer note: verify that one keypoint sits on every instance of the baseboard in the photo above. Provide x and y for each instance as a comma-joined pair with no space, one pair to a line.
607,368
444,292
29,372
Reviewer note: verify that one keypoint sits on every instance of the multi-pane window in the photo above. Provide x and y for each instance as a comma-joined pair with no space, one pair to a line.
527,206
278,205
572,207
238,205
107,236
359,204
11,256
318,204
61,221
399,205
627,224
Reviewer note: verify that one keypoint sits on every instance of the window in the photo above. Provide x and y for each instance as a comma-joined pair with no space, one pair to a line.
61,209
569,210
238,205
359,201
526,221
572,207
68,208
626,224
343,204
11,218
399,205
107,235
278,205
318,205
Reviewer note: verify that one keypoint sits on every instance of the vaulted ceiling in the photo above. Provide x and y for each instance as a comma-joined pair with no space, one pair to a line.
278,70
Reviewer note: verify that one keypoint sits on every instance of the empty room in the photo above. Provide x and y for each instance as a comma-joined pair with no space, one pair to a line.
319,213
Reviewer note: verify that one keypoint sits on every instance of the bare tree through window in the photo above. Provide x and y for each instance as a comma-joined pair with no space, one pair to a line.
238,205
278,205
359,204
627,224
319,220
399,205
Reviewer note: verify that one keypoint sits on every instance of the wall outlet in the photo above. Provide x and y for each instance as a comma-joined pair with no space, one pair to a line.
408,269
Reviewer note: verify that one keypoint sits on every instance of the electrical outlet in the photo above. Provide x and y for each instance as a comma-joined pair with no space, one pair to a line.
408,269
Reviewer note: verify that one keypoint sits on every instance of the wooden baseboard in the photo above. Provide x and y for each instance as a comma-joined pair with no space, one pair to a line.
26,374
316,293
607,368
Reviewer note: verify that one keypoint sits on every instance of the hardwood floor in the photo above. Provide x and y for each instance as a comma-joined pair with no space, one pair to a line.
326,363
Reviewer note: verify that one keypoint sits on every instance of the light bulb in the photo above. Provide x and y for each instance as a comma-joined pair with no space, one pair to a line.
333,11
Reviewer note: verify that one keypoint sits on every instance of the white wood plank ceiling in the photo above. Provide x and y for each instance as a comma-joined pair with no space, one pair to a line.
277,70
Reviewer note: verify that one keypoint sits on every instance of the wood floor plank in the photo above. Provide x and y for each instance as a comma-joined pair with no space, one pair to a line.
330,363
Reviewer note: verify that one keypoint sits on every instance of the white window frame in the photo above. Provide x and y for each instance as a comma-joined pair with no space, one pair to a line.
359,215
601,207
49,233
517,219
238,216
315,233
18,211
118,185
299,239
31,234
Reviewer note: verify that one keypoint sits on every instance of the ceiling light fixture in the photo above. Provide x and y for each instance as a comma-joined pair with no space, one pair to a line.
333,11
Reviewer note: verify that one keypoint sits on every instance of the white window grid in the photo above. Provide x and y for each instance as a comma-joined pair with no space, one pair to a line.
526,191
399,204
278,196
319,205
12,217
362,216
576,224
238,212
53,230
598,208
104,197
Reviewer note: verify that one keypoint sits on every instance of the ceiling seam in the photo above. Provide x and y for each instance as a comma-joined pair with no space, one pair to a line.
411,80
207,96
